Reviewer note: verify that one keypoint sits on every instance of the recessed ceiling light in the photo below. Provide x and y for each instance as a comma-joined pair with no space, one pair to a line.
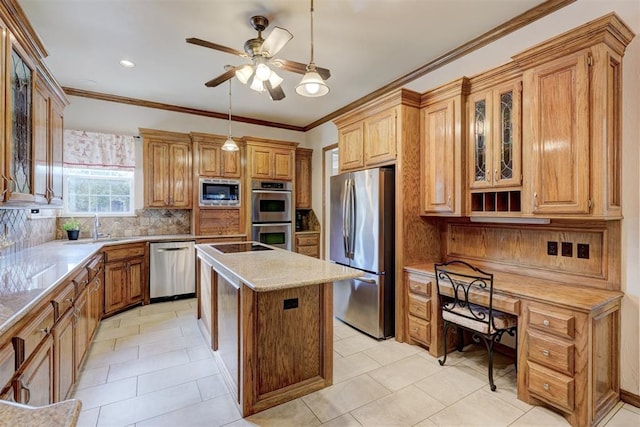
127,63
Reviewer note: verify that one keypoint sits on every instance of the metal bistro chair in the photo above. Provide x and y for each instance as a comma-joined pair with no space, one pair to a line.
457,283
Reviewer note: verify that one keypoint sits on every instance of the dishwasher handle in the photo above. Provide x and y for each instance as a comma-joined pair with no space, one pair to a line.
172,249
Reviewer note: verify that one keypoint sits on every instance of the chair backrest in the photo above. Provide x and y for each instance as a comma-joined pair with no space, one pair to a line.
459,284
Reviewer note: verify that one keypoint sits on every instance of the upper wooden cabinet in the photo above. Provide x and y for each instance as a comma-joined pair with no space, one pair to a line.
303,178
167,169
213,162
441,150
271,159
572,120
31,111
370,135
493,119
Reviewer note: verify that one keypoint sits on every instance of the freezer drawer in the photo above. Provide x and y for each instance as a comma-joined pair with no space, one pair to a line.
364,304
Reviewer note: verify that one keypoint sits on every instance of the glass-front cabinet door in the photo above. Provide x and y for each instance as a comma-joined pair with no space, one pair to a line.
494,137
18,174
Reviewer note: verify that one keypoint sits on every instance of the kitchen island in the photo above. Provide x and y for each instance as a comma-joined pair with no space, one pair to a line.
268,314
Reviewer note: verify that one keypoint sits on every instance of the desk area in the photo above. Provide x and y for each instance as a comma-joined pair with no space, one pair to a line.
568,338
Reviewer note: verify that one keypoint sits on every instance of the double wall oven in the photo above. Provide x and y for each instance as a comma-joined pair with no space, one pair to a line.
271,213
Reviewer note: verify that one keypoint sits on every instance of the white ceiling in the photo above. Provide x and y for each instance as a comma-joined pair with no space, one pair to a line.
365,43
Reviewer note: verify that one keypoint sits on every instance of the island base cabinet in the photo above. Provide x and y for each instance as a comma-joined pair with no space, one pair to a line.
286,347
33,384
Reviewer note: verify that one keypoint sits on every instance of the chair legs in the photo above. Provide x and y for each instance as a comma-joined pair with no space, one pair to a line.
445,328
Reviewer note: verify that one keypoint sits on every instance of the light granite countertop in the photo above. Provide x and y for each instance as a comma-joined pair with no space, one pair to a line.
275,269
62,414
30,275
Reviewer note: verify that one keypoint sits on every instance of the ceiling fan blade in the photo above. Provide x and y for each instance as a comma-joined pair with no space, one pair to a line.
276,41
221,78
215,46
298,67
276,93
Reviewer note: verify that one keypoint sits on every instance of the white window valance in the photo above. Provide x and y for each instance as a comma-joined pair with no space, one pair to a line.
98,150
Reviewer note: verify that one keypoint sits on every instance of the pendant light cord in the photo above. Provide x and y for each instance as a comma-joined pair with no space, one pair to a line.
311,62
229,108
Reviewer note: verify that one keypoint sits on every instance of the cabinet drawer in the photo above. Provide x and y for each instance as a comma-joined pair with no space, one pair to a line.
419,287
551,352
124,252
420,306
555,322
551,386
80,281
32,334
419,330
307,240
313,251
95,265
64,300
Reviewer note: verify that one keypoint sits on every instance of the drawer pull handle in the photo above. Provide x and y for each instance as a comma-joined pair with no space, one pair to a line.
545,322
545,386
25,388
545,353
44,330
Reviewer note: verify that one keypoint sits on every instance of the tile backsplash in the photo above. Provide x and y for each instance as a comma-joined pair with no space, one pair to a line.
147,222
19,229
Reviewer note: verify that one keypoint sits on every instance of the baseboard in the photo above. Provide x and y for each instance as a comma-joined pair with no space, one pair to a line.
630,398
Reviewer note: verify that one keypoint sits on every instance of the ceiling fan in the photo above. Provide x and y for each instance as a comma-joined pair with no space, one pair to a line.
261,52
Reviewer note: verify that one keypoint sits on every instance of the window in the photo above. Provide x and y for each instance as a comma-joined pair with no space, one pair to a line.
101,191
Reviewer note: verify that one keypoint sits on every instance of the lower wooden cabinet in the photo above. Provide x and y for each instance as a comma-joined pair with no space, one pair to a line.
125,277
64,357
33,383
418,293
80,329
7,369
308,244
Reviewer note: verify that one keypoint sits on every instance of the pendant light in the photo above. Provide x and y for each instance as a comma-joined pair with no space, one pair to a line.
312,84
230,144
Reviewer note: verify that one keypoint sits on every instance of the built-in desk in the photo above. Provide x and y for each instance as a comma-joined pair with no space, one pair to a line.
568,338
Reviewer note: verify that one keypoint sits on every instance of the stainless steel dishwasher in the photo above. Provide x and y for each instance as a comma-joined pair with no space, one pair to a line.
172,270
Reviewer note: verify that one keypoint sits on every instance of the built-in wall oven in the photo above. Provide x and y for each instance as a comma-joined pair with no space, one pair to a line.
272,213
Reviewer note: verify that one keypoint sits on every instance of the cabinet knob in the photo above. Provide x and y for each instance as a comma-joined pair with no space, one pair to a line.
535,201
546,386
545,322
44,330
545,353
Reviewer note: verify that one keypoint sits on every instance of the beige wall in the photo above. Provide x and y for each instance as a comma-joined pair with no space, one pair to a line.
500,52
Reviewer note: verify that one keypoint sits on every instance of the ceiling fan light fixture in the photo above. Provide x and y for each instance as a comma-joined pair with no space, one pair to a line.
244,73
263,72
275,80
257,84
312,84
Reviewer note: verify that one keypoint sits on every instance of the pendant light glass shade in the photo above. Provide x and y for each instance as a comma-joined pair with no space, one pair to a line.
230,144
312,84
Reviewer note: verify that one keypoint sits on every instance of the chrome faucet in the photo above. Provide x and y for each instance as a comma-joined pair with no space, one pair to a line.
96,224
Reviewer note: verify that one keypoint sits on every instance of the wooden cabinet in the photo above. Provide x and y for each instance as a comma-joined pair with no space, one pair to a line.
95,296
571,121
369,136
33,383
303,178
64,356
418,290
568,359
125,277
7,369
271,159
47,144
441,150
167,169
80,329
213,162
308,243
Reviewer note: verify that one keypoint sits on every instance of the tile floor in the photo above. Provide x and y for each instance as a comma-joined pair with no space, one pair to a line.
150,367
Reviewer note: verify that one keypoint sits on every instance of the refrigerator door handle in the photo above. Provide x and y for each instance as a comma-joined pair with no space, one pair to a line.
345,225
352,217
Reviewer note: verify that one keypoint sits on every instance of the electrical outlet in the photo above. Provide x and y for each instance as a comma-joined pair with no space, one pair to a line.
552,248
567,249
583,250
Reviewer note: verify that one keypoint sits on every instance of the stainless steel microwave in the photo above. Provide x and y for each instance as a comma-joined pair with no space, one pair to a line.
219,192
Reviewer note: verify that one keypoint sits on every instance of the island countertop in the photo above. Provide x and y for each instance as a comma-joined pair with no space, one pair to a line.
275,269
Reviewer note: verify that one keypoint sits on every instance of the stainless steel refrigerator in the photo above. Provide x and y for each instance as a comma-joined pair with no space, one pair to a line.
362,236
